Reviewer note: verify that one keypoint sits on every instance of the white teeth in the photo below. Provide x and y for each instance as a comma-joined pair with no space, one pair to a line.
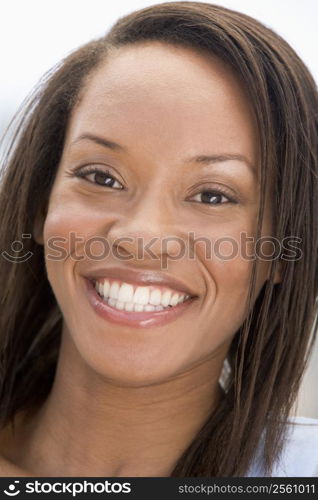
155,297
123,297
105,288
114,289
174,300
129,306
149,307
141,295
126,293
165,299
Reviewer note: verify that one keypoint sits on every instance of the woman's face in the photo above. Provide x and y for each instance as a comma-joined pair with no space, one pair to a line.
147,120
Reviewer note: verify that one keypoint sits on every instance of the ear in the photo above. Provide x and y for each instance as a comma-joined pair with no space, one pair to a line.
39,224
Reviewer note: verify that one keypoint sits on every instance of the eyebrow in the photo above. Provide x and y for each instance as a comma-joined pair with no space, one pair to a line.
201,159
219,158
100,140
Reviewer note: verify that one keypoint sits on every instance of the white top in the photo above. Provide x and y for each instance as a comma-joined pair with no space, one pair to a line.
299,457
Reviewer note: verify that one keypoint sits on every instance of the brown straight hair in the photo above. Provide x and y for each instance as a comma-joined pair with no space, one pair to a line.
270,351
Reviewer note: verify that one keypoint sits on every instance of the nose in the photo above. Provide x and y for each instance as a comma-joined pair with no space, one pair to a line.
147,231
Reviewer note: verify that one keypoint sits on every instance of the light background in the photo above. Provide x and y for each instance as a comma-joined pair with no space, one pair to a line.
35,35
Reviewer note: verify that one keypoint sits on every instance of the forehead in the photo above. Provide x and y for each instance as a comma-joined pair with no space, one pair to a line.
159,90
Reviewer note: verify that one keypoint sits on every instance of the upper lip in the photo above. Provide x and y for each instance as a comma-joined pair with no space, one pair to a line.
141,278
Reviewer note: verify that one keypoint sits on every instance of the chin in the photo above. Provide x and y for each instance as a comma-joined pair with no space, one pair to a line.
133,364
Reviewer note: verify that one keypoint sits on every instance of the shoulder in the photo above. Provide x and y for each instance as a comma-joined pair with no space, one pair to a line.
299,457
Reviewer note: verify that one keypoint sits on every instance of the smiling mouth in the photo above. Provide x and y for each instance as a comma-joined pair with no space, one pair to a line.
125,296
140,299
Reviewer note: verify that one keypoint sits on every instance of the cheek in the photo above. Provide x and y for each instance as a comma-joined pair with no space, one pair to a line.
76,228
227,249
67,214
225,307
227,262
66,229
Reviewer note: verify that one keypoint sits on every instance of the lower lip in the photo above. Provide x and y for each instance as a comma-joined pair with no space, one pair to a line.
137,319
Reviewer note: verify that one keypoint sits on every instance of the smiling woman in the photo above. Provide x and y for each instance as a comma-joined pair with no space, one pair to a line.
188,127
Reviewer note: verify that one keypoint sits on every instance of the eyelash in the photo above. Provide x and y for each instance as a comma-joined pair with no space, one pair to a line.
217,192
84,172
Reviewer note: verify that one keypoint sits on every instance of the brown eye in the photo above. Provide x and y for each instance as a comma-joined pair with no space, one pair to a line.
212,197
104,179
100,177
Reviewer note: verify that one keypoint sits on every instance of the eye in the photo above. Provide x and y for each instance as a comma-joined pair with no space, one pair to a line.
213,197
100,177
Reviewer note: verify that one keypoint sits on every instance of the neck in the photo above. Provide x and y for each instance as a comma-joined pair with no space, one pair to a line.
95,427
